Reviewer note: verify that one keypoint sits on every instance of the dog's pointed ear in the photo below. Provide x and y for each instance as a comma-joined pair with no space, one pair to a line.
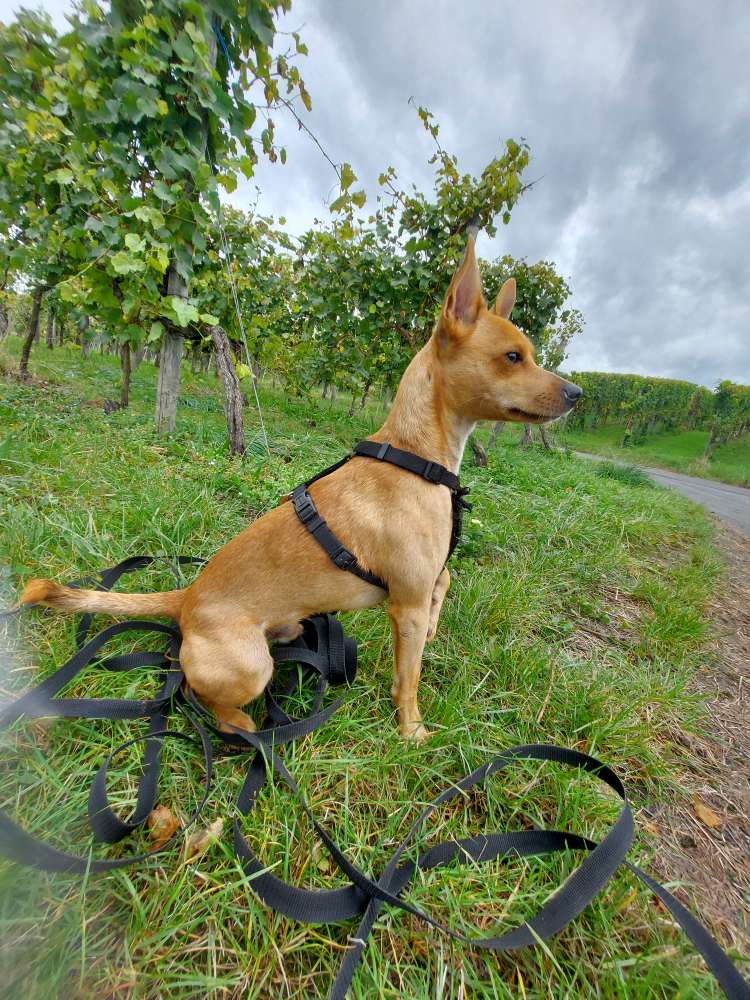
464,298
506,299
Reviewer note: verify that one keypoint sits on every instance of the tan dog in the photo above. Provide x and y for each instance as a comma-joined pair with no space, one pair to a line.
261,584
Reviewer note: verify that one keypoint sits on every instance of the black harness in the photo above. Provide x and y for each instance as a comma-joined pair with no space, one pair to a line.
431,472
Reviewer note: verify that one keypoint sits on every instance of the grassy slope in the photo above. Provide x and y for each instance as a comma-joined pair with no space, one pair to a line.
575,616
680,450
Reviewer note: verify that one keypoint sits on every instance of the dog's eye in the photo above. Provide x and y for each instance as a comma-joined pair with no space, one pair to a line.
513,356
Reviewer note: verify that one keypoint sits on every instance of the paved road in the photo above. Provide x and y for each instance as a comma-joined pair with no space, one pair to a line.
732,503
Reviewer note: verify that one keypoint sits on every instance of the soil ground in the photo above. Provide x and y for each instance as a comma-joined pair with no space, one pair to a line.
715,861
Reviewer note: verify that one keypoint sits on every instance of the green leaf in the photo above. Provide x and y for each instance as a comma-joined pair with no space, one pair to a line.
123,263
146,108
195,33
210,319
243,371
182,311
226,9
339,203
260,21
163,191
348,177
155,333
150,215
184,47
160,259
63,175
227,181
134,242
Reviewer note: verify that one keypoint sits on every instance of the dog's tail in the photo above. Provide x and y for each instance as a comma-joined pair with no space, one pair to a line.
55,595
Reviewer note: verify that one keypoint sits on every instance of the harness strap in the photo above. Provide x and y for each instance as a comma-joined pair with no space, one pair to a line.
340,556
430,471
433,472
459,505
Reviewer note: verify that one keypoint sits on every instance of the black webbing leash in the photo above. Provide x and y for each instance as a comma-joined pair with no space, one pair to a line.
326,657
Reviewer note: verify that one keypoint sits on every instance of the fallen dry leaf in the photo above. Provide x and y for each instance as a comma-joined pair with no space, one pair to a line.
705,813
198,841
162,823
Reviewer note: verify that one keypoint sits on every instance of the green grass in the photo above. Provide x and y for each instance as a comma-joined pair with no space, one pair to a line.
575,616
629,474
678,450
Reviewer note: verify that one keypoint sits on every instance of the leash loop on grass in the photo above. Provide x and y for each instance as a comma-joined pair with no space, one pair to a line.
325,656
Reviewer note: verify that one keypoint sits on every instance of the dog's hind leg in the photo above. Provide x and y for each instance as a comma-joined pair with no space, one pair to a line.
284,633
227,668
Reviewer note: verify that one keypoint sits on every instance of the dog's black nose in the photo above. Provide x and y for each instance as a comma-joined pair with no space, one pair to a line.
572,392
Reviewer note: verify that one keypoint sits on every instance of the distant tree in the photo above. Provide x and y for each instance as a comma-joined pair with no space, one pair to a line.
731,415
245,260
39,221
368,288
176,116
118,135
643,403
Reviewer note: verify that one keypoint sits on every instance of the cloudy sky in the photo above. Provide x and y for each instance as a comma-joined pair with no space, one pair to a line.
638,117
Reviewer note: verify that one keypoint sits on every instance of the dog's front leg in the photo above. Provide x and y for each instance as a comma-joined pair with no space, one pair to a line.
409,623
438,596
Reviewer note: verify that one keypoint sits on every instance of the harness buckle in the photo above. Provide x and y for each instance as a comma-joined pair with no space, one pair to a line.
304,506
432,472
343,558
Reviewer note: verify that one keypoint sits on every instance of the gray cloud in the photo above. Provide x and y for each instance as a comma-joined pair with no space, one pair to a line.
639,123
638,117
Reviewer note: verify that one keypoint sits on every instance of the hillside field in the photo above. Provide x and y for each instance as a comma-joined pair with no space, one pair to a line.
680,450
576,616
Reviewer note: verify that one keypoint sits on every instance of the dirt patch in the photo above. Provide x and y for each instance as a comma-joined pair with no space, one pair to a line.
625,617
712,853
